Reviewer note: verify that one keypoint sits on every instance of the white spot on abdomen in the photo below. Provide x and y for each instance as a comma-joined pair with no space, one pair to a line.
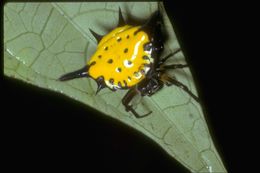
127,64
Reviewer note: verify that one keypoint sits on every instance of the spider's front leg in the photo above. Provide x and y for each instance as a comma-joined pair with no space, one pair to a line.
163,67
162,61
127,99
171,81
175,66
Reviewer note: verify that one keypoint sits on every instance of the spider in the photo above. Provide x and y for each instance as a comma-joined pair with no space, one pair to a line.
128,57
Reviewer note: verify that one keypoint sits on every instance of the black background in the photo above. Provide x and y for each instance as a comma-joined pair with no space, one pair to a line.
65,134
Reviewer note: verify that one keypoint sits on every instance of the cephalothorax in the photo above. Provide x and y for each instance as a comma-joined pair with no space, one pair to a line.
129,58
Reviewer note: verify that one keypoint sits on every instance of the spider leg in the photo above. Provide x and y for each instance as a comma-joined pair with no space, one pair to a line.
174,66
126,100
171,81
168,56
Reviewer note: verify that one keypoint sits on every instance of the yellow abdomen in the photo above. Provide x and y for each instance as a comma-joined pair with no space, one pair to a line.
120,57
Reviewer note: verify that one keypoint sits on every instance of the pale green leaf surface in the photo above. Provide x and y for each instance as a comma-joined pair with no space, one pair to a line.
42,41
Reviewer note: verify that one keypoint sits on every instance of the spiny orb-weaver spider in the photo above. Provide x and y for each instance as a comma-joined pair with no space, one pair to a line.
129,58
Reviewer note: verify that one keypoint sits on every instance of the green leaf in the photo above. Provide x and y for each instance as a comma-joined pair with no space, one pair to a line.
42,41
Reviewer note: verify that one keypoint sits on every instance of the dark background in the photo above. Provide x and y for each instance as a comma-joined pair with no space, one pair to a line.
63,133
